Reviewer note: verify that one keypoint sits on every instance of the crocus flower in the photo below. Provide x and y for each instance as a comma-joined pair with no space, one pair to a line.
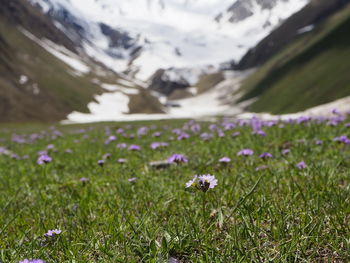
245,152
156,145
206,136
122,145
52,233
50,147
342,139
203,182
177,158
133,179
319,142
134,147
121,160
225,160
183,136
43,159
265,155
207,182
260,132
157,134
285,151
301,165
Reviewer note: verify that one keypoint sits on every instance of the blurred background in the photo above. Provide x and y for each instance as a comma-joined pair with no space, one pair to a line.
77,61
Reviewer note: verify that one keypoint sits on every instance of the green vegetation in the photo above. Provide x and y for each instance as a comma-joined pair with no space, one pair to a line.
206,82
311,71
278,213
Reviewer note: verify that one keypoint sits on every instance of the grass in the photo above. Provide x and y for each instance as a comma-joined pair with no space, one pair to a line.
277,214
307,67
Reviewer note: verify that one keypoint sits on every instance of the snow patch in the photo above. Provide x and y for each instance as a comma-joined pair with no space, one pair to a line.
113,87
23,79
306,29
109,106
60,52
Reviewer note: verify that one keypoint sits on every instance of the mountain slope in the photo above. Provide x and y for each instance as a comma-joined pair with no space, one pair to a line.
311,71
301,22
35,85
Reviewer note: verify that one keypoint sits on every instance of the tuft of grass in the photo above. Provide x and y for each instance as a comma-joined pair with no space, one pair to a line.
276,214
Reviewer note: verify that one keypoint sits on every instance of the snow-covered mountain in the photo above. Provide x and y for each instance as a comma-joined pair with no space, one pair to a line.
140,36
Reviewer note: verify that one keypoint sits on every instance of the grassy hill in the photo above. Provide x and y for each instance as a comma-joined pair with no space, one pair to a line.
311,70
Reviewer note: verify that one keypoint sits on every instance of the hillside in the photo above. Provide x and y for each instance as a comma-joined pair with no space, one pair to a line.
310,71
35,85
45,76
312,14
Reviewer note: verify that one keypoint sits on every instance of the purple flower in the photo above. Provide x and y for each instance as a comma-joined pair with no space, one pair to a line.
342,139
265,155
121,160
225,160
207,182
50,147
101,162
229,126
110,139
44,159
134,147
183,136
285,151
157,134
301,165
177,158
245,152
83,179
156,145
206,136
259,132
120,131
220,133
32,261
319,142
203,182
347,125
133,179
142,131
52,233
122,145
335,111
195,128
